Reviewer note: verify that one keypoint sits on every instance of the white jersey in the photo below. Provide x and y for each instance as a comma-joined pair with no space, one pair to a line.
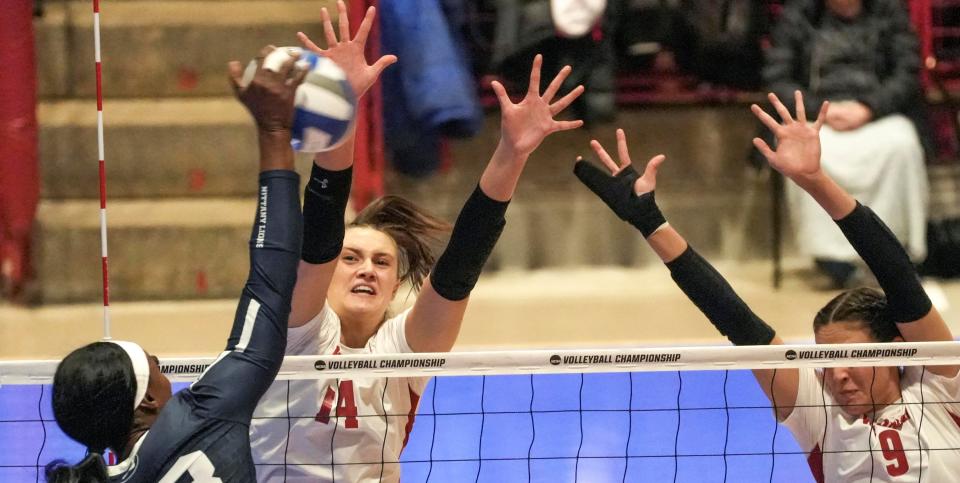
907,441
336,430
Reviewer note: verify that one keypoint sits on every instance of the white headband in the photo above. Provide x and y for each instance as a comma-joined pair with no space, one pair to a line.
141,367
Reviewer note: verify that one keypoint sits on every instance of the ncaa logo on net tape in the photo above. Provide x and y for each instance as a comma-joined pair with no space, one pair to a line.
320,365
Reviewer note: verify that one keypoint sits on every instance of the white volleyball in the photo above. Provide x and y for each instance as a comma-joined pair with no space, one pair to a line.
326,106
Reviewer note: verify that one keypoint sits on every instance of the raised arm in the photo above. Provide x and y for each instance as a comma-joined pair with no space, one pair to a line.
631,197
798,158
434,322
231,387
328,190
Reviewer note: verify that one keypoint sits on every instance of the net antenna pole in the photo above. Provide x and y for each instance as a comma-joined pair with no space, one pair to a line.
103,173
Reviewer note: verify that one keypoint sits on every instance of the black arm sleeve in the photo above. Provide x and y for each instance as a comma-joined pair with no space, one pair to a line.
475,233
232,386
324,203
708,290
880,249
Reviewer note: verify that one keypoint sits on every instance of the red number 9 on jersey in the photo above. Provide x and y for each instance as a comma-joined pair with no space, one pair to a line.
892,448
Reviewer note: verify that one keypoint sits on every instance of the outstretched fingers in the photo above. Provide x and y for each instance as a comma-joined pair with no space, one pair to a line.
822,116
502,95
565,101
556,83
343,21
801,109
384,62
328,28
307,43
567,125
765,118
364,31
534,87
650,171
604,156
764,149
781,109
622,149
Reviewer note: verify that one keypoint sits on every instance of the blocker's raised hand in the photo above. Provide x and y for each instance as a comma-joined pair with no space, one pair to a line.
524,125
624,190
798,142
641,184
349,53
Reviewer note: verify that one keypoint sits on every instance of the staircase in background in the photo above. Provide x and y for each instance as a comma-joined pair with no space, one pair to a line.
181,160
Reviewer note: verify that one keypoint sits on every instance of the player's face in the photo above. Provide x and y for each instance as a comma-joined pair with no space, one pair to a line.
845,8
857,389
159,386
366,277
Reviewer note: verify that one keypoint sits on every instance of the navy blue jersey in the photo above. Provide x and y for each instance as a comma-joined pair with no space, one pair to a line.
202,434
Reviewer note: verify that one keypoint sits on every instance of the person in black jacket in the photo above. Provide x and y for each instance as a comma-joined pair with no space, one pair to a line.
864,57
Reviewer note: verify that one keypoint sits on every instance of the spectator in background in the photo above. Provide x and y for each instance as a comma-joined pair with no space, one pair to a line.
863,56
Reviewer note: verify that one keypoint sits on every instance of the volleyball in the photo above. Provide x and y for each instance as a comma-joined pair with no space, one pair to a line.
326,106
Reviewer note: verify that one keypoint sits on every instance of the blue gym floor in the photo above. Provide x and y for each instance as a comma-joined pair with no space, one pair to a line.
532,429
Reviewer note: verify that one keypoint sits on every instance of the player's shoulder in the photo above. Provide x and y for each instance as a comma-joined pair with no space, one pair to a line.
309,338
921,381
391,336
400,318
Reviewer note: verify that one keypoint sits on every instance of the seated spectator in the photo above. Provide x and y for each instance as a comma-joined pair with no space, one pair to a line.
862,56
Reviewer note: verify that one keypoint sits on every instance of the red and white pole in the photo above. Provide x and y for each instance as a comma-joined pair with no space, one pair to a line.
103,173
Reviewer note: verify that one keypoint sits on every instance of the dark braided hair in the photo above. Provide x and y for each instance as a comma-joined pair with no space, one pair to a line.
415,232
93,392
90,470
865,305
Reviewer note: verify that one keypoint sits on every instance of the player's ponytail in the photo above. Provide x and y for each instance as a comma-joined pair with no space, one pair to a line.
90,470
93,392
415,232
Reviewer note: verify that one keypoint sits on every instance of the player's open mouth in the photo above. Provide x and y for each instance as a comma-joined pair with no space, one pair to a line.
363,289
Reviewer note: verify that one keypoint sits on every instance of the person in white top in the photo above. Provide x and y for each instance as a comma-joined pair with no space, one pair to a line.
354,430
857,424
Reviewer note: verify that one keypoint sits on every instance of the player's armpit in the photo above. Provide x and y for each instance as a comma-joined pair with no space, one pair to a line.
309,294
930,328
780,386
434,322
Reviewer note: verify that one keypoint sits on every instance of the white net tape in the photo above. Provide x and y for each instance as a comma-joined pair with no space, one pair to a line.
682,414
186,369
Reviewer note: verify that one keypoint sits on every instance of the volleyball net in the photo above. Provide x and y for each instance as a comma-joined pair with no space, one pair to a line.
693,414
